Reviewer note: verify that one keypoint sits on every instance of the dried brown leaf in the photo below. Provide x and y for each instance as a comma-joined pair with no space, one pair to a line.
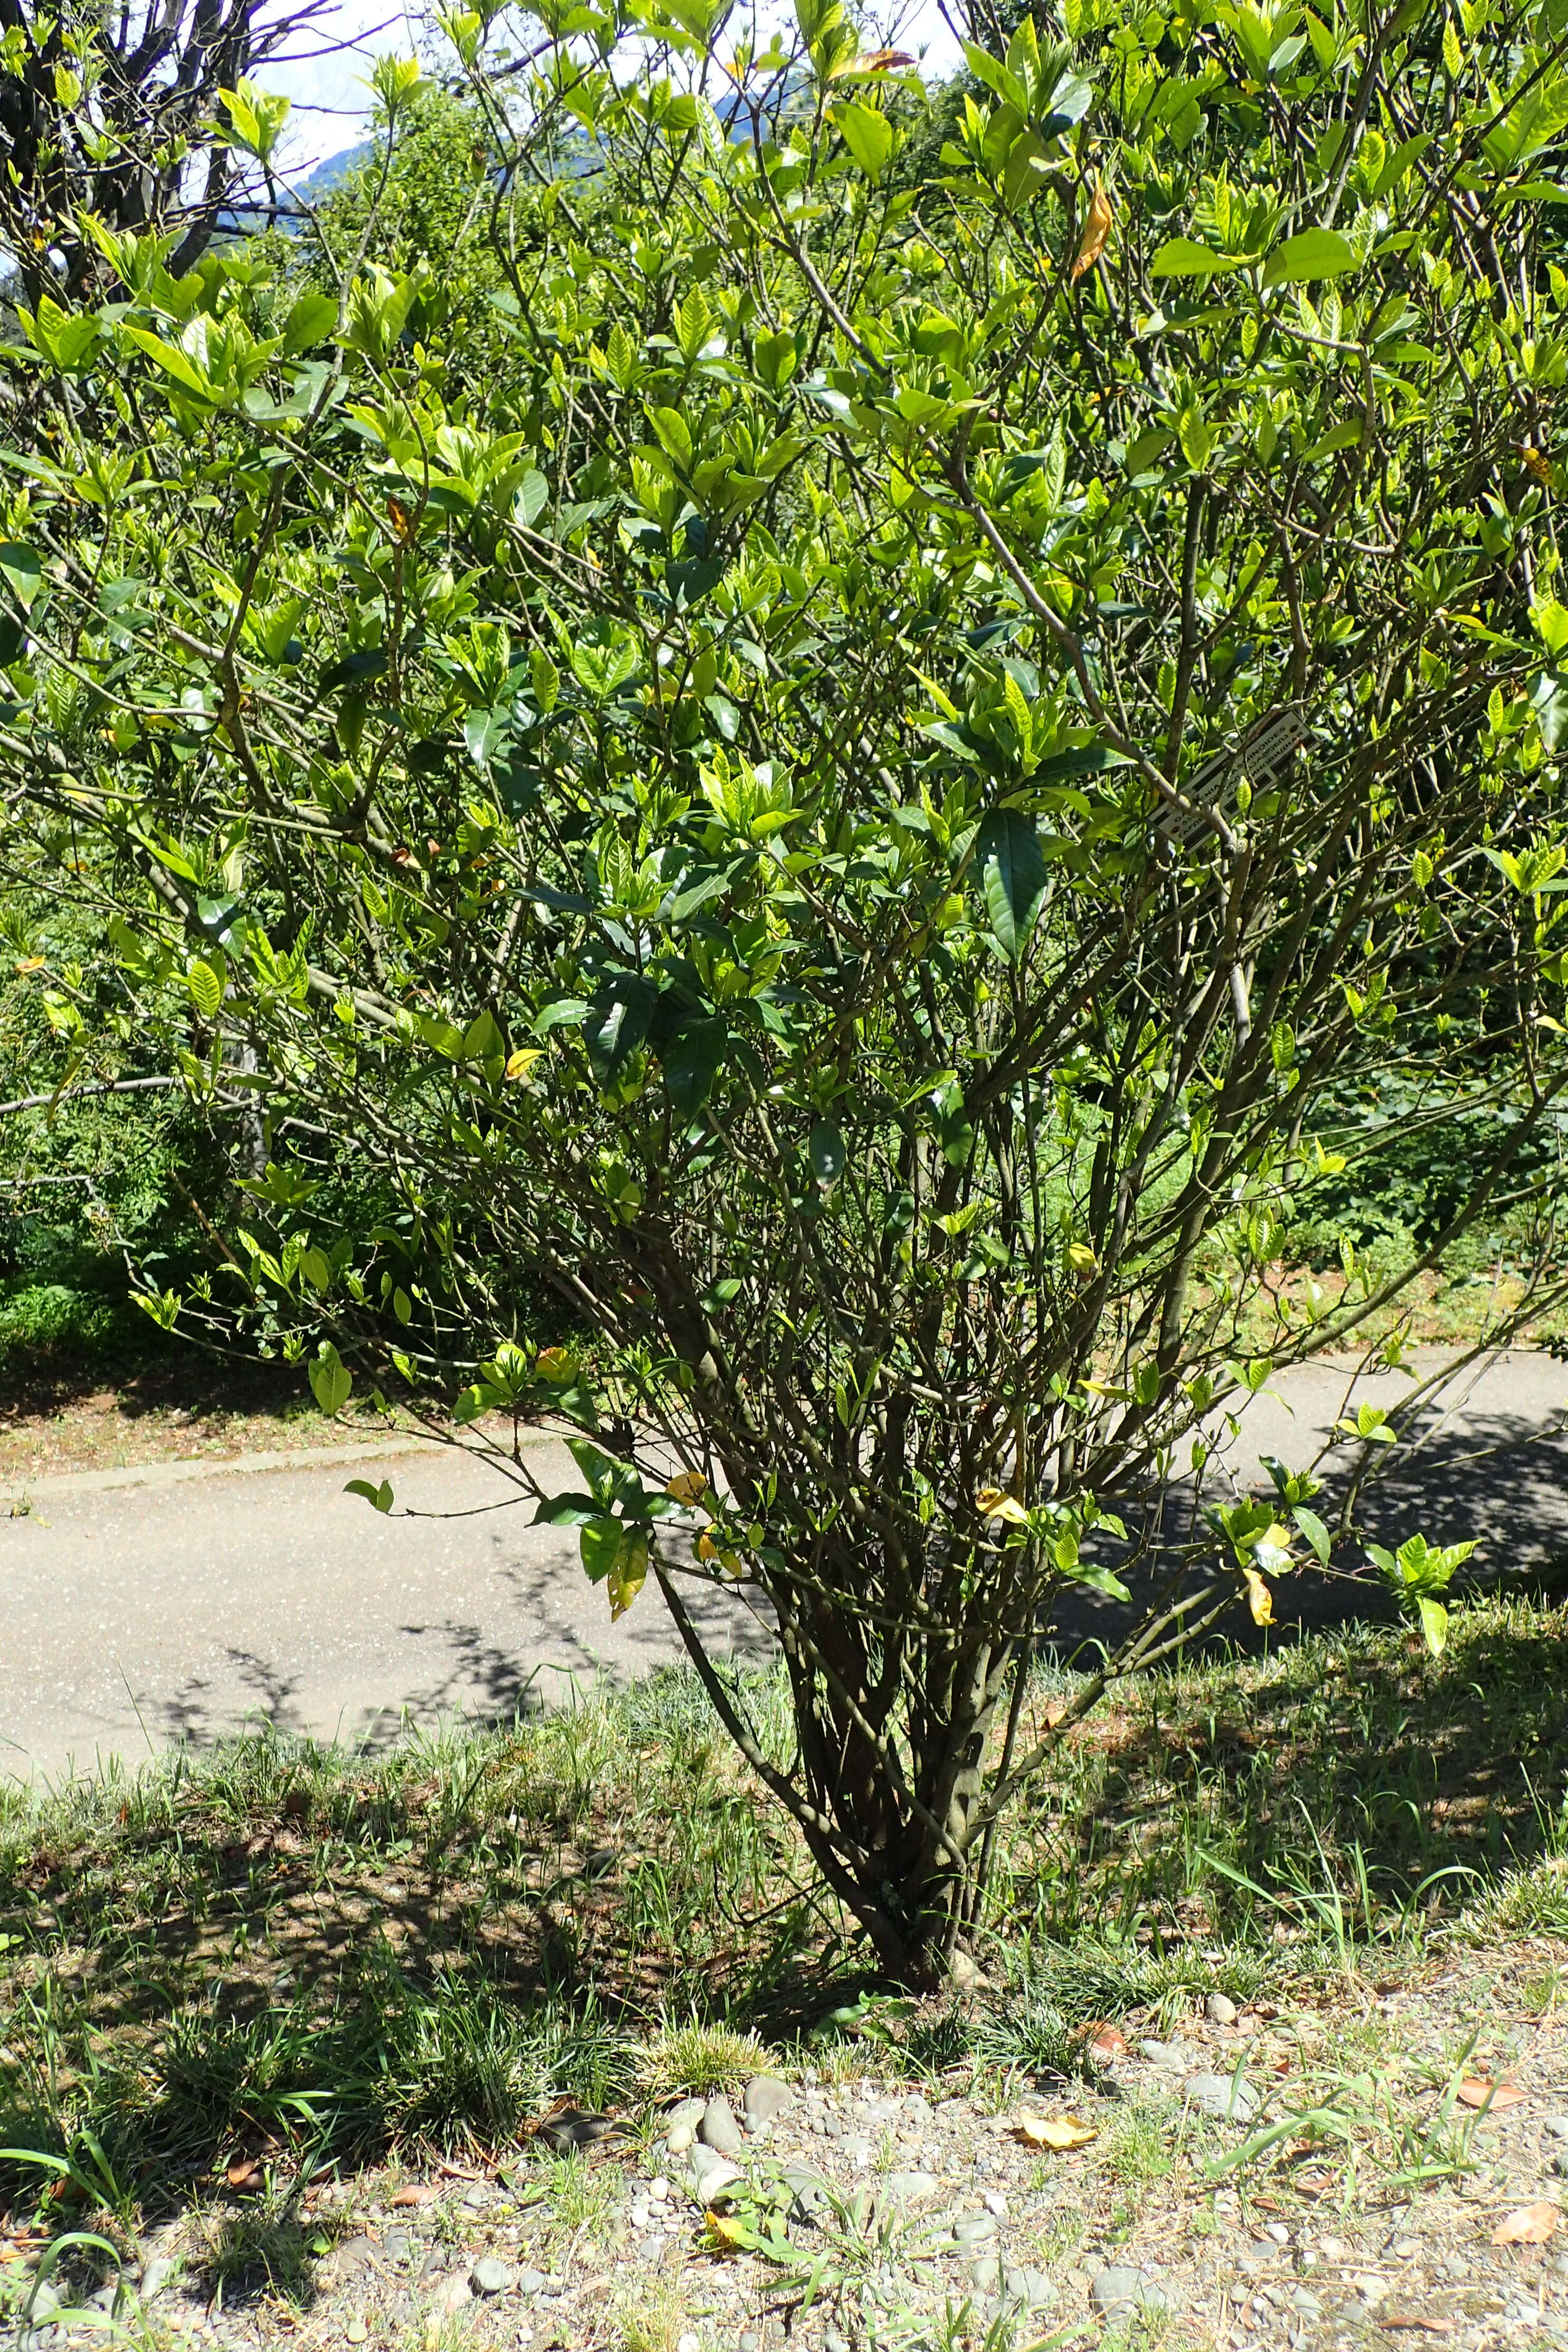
1475,2092
1096,229
1530,2225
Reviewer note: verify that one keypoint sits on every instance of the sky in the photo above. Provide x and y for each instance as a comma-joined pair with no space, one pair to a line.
331,105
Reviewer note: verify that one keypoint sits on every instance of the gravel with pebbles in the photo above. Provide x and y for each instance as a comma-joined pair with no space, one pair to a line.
917,2202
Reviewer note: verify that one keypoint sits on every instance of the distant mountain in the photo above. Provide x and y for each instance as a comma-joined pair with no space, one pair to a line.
330,174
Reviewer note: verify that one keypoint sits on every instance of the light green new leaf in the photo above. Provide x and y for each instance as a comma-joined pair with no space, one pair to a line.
1315,253
1182,256
868,135
331,1379
1434,1624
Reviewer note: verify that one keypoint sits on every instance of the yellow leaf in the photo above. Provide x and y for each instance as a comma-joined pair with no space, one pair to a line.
686,1486
1259,1600
1082,1260
519,1063
726,2231
558,1366
993,1504
1096,229
31,963
1059,2132
627,1577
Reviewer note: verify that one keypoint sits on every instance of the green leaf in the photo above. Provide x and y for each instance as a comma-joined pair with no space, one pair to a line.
1315,253
599,1544
529,500
206,983
674,434
378,1497
173,361
1180,257
868,134
331,1379
1013,877
22,570
828,1153
1434,1624
310,320
616,1024
1314,1531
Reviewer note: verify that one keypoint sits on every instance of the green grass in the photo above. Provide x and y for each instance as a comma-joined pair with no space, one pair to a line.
297,1955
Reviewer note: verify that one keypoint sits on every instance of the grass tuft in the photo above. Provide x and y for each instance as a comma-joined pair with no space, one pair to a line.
698,2059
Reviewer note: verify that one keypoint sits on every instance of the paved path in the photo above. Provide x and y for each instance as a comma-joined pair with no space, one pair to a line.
139,1608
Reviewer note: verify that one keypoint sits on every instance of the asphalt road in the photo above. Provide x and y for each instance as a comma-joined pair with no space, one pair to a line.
142,1608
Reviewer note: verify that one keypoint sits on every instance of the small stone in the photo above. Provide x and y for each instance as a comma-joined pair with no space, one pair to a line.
638,2215
764,2098
452,2294
1037,2287
1331,2249
686,2111
747,2341
1219,2009
713,2173
994,2202
651,2248
687,2343
680,2138
1219,2096
352,2255
910,2187
477,2198
1118,2289
831,2341
531,2281
489,2277
1557,2125
719,2129
974,2229
1405,2250
398,2246
156,2276
1560,2164
1369,2287
1278,2231
658,2189
1169,2054
355,2332
1304,2300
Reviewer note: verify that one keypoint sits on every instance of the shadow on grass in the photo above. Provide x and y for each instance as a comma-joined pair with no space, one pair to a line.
1360,1783
274,1955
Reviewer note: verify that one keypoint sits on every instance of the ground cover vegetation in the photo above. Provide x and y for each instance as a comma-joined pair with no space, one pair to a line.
241,1978
322,1958
910,774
